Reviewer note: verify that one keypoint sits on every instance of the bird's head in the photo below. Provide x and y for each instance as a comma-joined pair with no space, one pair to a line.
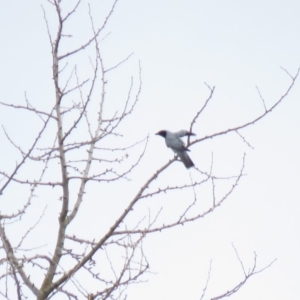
162,133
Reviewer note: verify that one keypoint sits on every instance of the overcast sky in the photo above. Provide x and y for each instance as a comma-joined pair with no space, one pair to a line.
181,45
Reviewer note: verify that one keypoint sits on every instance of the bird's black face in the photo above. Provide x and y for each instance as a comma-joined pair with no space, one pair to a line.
162,133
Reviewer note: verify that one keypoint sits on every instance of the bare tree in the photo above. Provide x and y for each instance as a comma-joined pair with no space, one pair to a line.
77,149
253,270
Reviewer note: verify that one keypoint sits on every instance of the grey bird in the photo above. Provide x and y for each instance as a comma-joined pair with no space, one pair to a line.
173,140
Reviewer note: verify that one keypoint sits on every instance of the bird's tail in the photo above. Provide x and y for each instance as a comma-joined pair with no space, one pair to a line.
186,160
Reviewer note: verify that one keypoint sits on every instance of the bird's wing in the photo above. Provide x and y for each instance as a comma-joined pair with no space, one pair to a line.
175,143
182,133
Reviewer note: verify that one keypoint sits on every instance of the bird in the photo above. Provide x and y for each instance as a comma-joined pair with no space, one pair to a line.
173,140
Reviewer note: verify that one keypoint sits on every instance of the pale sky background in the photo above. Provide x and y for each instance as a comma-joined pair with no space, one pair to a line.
232,45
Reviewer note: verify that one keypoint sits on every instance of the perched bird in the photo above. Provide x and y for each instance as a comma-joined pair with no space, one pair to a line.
174,141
